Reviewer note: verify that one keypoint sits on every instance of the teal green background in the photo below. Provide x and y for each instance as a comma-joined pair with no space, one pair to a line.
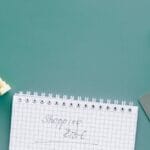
98,48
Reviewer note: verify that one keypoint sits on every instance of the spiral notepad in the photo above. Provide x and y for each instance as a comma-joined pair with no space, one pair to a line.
47,122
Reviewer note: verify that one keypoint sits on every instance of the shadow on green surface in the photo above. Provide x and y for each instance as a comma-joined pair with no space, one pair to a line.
5,115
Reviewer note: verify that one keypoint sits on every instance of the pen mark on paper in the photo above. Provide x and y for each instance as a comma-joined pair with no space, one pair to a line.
74,134
67,142
71,129
59,123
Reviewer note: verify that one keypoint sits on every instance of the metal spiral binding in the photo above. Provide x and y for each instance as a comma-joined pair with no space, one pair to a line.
62,100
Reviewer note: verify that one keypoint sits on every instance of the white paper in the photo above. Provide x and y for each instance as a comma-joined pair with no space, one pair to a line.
52,126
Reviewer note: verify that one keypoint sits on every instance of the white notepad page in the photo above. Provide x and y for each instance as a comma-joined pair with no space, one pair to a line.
54,123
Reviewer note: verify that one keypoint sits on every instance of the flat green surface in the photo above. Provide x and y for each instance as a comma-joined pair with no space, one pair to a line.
97,48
